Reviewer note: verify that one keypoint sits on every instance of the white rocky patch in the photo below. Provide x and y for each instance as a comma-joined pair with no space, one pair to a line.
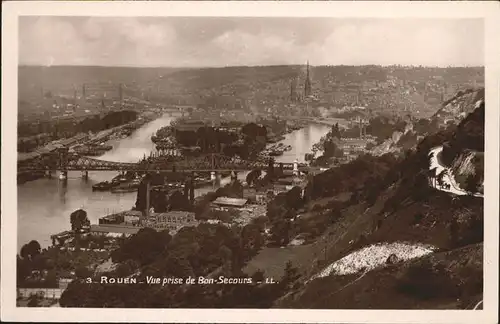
374,256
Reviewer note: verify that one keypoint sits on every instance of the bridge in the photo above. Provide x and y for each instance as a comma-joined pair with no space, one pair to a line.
203,163
330,121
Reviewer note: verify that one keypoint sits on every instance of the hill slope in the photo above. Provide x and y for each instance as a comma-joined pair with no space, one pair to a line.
402,206
424,244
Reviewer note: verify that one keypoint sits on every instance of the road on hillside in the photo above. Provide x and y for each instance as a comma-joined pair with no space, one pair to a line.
448,179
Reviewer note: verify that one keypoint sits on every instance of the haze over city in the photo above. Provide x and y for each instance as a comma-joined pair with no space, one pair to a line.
216,42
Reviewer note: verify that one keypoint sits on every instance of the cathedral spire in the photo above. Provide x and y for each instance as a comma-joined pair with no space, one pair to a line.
307,85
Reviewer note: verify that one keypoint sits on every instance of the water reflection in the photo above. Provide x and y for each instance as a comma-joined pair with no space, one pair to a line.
63,189
44,205
302,142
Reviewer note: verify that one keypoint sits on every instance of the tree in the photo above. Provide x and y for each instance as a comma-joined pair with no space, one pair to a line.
25,254
82,272
294,198
291,274
34,301
252,176
252,131
440,178
335,131
270,168
191,190
471,183
79,220
179,201
30,250
258,276
280,231
251,240
144,247
432,175
23,268
331,149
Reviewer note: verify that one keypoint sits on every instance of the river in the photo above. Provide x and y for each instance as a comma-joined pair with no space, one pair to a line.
44,205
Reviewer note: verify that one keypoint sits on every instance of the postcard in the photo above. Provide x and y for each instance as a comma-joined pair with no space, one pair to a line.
250,162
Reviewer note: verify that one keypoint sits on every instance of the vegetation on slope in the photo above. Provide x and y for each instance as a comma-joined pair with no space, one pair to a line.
401,206
370,200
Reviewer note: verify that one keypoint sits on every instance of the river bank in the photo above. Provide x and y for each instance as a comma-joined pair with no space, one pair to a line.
89,145
44,205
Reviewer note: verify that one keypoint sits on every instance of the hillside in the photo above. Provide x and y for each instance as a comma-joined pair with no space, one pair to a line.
401,208
459,106
450,113
464,152
443,280
379,232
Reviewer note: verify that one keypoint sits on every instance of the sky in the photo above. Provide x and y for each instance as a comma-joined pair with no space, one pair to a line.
215,42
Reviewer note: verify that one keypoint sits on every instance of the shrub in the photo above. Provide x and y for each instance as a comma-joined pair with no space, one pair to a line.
425,281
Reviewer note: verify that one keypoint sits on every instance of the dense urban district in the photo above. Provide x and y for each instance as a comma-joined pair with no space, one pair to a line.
385,211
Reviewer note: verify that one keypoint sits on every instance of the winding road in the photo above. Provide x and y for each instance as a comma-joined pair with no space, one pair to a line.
448,178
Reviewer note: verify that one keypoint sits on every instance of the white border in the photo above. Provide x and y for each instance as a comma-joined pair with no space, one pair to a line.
448,9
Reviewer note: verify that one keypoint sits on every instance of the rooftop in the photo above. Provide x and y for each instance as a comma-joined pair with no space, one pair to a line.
124,213
122,229
27,156
354,141
226,201
64,233
173,213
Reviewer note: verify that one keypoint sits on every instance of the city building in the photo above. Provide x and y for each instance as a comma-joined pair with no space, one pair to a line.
250,194
48,293
114,230
353,144
175,217
190,125
171,221
307,83
279,188
113,219
230,202
61,236
261,198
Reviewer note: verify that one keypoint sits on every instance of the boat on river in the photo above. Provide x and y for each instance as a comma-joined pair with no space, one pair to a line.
275,153
129,186
121,178
275,139
92,149
123,190
104,186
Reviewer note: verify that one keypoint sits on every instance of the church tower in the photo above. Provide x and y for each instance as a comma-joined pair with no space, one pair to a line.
293,90
307,85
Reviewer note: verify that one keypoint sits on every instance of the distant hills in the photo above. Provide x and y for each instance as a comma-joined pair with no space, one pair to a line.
417,90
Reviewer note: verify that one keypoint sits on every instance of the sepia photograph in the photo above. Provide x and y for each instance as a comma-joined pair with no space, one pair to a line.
248,162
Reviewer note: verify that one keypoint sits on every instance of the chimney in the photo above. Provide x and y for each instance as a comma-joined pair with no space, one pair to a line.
191,190
147,198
